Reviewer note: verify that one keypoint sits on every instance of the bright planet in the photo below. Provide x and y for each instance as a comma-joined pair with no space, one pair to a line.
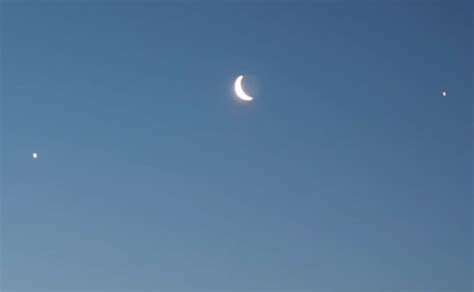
239,91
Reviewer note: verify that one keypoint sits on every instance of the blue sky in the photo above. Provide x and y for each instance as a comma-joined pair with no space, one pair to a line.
348,172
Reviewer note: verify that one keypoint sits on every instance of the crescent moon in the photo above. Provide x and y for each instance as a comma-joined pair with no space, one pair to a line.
240,91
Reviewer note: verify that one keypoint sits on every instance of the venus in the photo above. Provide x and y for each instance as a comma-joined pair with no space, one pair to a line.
240,91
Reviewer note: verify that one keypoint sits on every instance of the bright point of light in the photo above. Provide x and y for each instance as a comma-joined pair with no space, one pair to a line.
444,93
35,155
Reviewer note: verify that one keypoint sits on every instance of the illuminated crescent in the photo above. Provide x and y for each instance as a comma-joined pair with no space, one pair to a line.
240,91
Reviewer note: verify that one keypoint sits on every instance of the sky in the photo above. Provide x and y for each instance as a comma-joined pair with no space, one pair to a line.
349,171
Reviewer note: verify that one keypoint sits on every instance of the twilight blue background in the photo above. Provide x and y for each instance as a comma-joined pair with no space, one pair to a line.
350,171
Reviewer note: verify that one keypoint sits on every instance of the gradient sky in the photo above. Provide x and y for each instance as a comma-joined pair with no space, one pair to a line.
348,172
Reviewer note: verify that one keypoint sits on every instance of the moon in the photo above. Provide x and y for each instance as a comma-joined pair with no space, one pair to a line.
34,155
240,91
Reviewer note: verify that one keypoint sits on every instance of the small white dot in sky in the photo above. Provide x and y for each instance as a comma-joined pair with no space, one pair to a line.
35,155
444,93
